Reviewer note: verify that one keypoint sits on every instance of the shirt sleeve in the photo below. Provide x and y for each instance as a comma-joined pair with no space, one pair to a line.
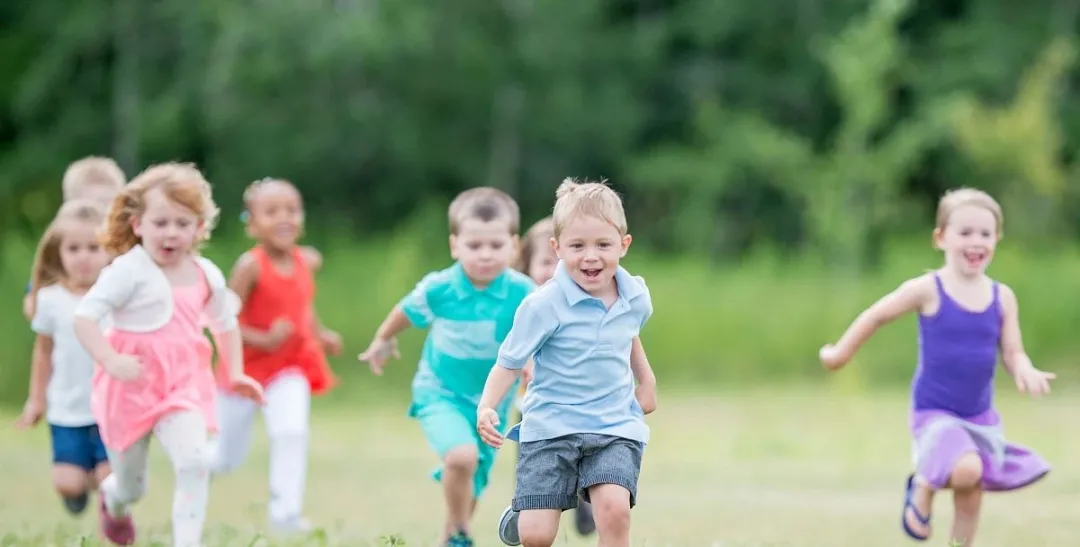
44,320
224,306
113,289
417,304
534,323
648,308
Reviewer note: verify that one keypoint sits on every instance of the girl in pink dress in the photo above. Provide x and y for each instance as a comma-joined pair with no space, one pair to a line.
153,372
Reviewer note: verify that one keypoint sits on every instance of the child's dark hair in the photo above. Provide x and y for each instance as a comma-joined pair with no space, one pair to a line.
253,189
537,237
486,204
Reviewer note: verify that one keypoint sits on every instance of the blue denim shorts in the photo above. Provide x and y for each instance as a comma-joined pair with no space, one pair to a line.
78,446
552,473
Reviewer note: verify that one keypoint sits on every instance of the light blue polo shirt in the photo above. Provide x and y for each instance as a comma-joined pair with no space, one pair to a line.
467,325
581,354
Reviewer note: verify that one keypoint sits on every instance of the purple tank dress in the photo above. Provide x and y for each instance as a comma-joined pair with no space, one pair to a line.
953,400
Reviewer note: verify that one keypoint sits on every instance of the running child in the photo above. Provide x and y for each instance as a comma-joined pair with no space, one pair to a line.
94,178
154,367
68,261
965,320
584,431
285,348
469,308
537,260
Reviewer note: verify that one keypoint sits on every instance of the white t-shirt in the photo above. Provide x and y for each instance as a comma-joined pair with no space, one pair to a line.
68,394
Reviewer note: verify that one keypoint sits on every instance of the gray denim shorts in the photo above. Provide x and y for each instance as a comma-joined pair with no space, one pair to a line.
551,473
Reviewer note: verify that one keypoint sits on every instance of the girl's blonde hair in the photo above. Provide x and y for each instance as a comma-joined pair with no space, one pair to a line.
954,199
181,183
535,239
48,269
595,199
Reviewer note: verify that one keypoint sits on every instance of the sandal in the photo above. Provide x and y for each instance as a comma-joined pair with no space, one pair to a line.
909,503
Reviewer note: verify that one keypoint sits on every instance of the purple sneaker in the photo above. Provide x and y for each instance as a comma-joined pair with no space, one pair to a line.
119,530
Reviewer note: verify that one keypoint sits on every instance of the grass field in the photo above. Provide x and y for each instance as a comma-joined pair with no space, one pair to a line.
792,468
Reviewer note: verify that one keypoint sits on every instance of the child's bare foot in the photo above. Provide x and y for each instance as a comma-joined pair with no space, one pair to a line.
918,500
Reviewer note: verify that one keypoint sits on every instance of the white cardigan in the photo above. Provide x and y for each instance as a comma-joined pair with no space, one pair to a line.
136,294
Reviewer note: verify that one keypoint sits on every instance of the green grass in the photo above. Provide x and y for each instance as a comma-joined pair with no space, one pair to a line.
791,467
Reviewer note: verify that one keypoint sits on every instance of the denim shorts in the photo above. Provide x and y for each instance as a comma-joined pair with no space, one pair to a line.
551,473
79,446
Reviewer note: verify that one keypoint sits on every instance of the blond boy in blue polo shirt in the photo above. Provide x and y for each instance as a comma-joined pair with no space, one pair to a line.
583,426
468,308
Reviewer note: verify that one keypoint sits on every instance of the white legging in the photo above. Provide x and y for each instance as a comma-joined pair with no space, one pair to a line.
183,436
286,414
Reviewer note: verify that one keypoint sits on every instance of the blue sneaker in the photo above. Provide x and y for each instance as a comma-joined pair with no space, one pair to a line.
508,528
459,539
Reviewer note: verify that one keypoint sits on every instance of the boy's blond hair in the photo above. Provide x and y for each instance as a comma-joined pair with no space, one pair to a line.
596,199
90,172
485,204
954,199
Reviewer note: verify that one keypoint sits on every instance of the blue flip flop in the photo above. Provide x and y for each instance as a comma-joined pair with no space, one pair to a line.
910,503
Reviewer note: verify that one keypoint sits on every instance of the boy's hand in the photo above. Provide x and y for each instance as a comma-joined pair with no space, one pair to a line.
646,397
487,425
331,341
32,413
378,353
1033,381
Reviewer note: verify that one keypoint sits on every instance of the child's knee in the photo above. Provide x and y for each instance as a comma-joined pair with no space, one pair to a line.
462,459
611,506
194,462
70,481
538,528
967,473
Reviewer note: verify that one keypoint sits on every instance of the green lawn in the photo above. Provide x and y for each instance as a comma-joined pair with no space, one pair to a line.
796,468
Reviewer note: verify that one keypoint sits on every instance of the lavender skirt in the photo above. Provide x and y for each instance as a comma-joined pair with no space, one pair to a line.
941,438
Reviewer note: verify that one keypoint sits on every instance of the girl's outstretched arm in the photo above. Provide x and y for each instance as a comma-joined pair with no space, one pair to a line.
40,372
910,296
1015,358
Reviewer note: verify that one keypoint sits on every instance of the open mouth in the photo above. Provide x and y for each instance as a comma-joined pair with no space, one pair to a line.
168,250
591,274
975,259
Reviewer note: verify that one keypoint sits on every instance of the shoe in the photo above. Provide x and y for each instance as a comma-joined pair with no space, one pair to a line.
583,519
460,539
508,527
78,504
118,530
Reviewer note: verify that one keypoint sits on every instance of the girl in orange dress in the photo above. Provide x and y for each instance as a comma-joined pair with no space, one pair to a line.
284,348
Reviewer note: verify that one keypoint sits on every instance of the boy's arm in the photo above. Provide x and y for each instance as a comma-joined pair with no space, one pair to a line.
643,375
534,322
910,296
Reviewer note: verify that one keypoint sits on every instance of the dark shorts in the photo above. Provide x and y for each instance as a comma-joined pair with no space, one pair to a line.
552,473
78,446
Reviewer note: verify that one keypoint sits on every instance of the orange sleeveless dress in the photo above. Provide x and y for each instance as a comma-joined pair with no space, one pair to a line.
291,297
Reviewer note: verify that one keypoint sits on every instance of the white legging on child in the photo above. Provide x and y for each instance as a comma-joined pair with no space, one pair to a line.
286,413
183,436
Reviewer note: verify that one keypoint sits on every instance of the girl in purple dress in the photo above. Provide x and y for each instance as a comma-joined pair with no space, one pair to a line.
965,319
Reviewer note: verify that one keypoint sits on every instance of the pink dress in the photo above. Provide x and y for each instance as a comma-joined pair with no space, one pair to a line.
176,374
